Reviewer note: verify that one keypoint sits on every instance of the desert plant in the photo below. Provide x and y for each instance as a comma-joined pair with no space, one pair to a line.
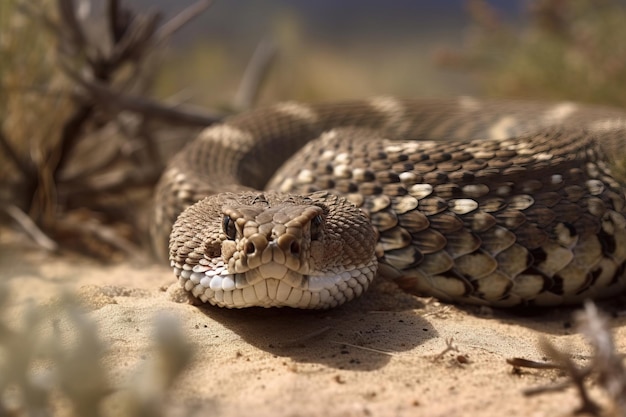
75,150
53,359
566,49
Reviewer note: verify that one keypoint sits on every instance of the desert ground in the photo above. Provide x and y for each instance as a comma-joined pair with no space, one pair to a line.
382,355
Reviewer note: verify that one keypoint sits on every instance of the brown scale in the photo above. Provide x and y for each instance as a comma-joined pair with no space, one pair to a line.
513,252
537,207
497,239
402,205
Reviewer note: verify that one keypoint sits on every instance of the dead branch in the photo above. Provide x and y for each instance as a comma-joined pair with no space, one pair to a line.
575,374
108,235
607,362
29,226
606,365
450,347
118,20
152,109
180,20
113,181
71,134
367,349
74,30
110,75
89,229
137,40
527,363
254,75
146,137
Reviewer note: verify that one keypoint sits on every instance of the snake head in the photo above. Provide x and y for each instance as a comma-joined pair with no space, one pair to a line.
273,250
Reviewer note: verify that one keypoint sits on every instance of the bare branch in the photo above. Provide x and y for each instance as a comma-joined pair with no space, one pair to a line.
527,363
382,352
255,74
576,375
607,362
27,224
606,367
67,11
181,19
119,19
137,38
71,134
147,138
92,228
450,347
149,108
113,181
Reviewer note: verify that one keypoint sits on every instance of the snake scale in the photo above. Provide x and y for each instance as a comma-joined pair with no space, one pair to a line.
499,203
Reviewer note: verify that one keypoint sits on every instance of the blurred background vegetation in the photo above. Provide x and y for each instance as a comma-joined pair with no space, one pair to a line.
557,49
326,50
75,155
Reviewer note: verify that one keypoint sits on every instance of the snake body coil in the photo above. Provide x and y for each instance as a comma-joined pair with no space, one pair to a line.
487,202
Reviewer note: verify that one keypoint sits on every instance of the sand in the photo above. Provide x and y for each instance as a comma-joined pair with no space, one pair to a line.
380,355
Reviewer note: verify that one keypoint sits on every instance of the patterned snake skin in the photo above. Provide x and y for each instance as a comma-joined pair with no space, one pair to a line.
497,203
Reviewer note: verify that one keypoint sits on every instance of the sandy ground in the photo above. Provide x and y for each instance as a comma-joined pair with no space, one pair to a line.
377,356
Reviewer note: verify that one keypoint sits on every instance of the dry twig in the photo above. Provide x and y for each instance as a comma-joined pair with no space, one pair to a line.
450,347
606,365
181,19
29,226
151,109
379,351
255,74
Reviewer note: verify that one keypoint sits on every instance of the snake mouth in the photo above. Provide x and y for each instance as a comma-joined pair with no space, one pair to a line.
260,287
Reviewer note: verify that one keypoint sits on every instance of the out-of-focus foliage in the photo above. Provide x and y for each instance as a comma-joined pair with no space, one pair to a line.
306,68
567,49
51,363
78,135
35,97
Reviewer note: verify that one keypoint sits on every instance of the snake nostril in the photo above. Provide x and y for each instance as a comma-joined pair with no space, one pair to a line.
294,248
250,248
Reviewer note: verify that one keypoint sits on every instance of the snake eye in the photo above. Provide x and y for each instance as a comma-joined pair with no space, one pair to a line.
316,226
228,224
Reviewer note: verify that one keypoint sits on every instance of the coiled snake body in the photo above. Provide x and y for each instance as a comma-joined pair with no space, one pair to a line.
487,202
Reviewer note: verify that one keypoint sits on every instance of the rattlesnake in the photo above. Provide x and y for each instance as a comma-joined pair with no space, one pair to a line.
500,203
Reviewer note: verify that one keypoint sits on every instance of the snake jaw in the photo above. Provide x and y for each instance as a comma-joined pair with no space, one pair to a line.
258,287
